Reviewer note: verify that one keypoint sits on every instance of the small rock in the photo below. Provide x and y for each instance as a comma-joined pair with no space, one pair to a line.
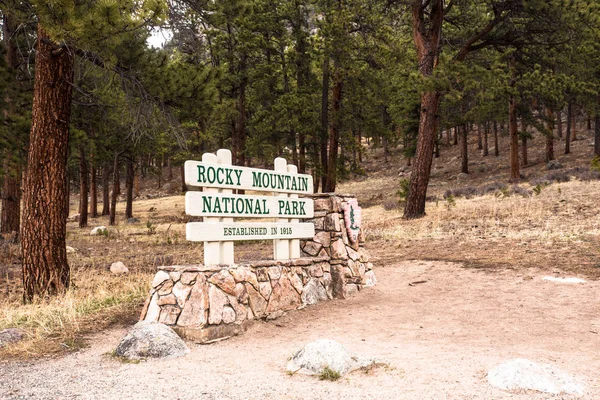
315,356
132,220
167,186
523,374
71,250
74,217
151,340
554,164
462,177
11,335
370,279
99,230
118,268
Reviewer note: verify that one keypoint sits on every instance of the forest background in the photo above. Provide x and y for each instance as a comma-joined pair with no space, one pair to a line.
86,100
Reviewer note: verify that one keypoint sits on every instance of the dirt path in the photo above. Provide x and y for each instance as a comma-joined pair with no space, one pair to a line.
439,338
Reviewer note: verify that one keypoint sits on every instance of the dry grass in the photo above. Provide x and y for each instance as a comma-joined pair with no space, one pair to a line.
95,301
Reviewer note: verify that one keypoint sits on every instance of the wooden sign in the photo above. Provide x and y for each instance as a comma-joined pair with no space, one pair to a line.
203,174
201,204
219,206
220,231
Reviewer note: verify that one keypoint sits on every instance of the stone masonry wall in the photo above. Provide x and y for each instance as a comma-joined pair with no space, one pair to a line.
208,303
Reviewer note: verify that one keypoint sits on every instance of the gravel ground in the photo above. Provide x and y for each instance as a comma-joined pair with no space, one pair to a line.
438,338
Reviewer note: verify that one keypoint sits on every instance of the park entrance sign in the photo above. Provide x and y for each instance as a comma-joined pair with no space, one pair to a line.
218,205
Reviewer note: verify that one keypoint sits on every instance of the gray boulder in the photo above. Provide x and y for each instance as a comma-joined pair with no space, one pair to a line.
99,230
522,374
11,335
313,358
554,164
118,268
151,340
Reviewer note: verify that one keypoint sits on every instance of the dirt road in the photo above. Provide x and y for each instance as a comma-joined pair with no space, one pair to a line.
439,339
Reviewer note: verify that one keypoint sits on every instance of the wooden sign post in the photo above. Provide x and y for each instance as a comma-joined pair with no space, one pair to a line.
219,206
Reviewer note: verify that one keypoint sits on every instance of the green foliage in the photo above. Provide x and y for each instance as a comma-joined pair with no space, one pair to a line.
595,164
328,374
402,193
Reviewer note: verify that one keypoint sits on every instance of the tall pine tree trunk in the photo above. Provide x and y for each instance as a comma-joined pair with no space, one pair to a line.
94,192
486,133
129,187
10,219
83,189
479,138
464,150
105,189
184,187
334,135
524,142
43,232
115,192
324,122
597,135
513,129
568,135
496,149
550,135
427,41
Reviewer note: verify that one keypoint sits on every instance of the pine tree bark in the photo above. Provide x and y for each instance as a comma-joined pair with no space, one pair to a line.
129,187
486,132
496,149
83,189
334,135
524,142
464,150
10,219
515,174
479,138
324,136
115,192
550,135
597,135
43,232
184,187
105,190
568,135
427,40
94,192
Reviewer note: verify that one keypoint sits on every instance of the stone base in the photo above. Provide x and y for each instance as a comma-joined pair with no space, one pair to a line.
205,304
208,303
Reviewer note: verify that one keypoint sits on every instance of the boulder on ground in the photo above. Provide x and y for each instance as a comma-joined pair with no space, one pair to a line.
71,250
522,374
118,268
313,358
11,335
151,340
74,217
554,164
99,230
132,220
